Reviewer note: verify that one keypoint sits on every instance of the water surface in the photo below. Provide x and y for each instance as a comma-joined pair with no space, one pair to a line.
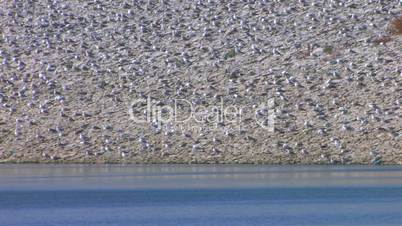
199,195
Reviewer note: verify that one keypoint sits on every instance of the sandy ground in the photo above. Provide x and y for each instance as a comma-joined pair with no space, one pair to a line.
72,72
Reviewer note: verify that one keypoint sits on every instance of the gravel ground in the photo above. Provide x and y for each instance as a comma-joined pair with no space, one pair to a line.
317,82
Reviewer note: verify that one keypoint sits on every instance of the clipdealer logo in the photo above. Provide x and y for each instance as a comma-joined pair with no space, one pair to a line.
183,111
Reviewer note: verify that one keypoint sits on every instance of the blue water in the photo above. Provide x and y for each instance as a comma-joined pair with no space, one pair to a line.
199,195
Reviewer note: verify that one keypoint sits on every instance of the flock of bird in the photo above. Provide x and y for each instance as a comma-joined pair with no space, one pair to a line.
70,69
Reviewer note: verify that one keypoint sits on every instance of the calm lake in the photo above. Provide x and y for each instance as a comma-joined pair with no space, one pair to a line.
89,195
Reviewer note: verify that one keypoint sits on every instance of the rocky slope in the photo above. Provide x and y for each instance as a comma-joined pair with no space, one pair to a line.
265,81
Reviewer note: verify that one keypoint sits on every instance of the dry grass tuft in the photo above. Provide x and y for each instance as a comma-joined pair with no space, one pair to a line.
396,26
382,40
